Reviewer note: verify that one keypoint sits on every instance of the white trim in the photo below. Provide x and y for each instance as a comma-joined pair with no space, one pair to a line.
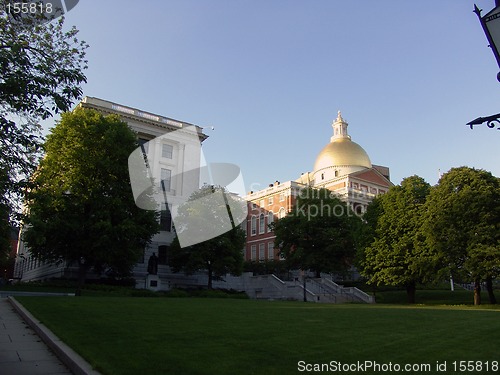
261,239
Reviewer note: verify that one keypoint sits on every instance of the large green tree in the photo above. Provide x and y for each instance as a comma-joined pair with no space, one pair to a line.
41,71
393,257
462,226
367,231
219,255
318,234
81,208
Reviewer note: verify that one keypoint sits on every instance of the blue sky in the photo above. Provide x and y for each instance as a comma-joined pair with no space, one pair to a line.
270,76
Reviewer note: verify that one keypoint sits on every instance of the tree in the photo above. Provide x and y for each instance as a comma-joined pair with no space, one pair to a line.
4,221
5,234
318,234
81,207
462,226
367,230
393,257
41,70
267,267
219,255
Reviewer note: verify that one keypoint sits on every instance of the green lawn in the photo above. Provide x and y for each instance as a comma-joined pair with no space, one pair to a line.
432,297
225,336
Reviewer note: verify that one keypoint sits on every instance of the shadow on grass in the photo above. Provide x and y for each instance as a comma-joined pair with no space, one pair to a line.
106,290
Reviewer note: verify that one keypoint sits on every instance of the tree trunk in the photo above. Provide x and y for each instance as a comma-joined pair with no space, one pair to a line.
82,274
411,289
477,292
489,288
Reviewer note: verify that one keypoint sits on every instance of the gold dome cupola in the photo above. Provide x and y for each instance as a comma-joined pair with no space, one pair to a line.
339,128
341,154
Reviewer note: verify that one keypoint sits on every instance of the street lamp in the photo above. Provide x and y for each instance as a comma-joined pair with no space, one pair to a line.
490,120
490,23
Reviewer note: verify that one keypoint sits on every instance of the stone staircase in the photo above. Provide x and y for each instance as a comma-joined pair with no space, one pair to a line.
319,290
329,291
270,287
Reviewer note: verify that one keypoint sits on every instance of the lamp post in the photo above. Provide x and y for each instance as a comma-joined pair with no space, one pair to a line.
490,121
68,195
490,23
304,287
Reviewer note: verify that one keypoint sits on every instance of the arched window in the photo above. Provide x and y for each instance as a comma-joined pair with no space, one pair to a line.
282,213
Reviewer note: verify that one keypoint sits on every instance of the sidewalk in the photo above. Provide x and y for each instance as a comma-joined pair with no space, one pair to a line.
22,351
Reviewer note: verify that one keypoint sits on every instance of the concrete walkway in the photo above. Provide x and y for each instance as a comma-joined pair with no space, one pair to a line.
22,350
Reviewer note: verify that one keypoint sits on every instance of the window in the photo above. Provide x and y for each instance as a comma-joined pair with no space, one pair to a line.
336,173
262,203
262,224
262,255
165,219
270,201
163,254
282,197
270,250
167,151
253,252
166,179
270,219
282,213
254,225
322,176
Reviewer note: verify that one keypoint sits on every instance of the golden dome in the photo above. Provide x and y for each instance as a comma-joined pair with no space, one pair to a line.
341,150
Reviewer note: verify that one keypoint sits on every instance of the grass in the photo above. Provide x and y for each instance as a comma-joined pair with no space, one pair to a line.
103,290
221,336
37,288
430,297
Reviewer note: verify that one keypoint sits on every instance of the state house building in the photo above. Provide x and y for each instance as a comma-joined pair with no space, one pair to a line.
167,159
342,166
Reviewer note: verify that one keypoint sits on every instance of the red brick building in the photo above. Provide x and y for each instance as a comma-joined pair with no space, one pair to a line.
342,166
264,207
